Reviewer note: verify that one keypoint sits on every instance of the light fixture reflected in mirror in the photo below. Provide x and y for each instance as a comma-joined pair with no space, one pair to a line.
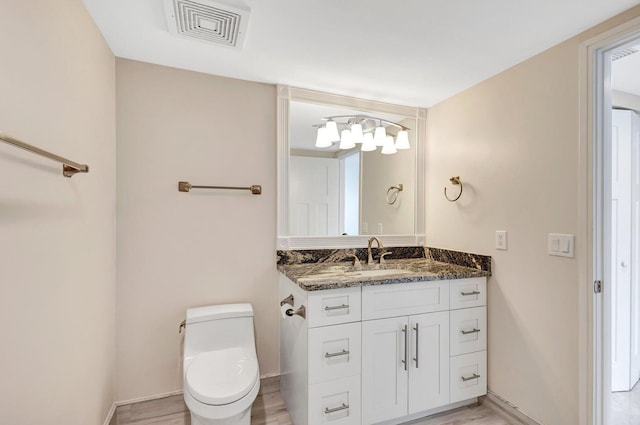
370,131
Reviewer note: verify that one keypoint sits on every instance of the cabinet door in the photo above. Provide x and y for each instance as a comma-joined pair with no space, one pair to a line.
385,358
429,355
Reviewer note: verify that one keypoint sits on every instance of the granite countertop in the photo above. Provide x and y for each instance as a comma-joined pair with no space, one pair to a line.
319,276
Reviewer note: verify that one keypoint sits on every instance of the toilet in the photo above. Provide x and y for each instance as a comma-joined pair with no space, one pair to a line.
221,374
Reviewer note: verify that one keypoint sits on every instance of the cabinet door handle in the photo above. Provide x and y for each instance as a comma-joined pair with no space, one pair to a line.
406,345
341,353
336,409
469,293
474,331
417,329
336,307
474,376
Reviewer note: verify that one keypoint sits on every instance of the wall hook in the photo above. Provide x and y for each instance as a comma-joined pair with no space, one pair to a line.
454,181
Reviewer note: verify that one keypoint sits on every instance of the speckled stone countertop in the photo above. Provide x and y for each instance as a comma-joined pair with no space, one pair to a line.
319,276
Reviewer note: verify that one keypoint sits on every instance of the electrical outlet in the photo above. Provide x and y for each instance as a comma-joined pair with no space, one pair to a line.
501,239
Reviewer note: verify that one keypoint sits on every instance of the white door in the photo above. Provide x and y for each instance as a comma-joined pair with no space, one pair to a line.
429,355
621,251
384,370
314,196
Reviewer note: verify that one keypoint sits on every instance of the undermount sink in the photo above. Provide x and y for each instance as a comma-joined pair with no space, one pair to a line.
378,272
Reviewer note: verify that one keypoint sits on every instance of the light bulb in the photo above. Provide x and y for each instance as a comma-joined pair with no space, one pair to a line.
356,133
346,141
332,130
402,140
322,138
368,144
380,136
388,147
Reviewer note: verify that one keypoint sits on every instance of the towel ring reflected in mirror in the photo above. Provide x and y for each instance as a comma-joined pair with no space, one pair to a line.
392,193
456,182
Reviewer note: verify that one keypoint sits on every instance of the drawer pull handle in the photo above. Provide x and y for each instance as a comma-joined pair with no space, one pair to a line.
474,331
336,307
406,346
341,353
465,294
417,329
465,379
336,409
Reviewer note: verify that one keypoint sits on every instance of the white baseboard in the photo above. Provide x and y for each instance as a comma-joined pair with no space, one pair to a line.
499,404
112,412
147,398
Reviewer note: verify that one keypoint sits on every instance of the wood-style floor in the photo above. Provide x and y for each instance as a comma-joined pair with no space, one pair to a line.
269,409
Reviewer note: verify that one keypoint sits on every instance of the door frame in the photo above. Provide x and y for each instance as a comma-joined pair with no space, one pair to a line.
595,218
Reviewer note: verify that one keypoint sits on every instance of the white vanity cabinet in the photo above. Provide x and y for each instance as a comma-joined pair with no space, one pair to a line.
383,353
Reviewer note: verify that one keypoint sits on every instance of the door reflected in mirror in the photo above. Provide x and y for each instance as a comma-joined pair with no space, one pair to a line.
350,191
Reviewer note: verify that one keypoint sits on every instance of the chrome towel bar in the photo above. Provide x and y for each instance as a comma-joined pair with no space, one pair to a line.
256,189
69,168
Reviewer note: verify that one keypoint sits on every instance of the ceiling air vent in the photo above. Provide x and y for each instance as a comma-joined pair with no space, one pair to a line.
207,20
619,54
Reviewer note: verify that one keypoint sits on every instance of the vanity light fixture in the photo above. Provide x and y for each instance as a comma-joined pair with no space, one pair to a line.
371,132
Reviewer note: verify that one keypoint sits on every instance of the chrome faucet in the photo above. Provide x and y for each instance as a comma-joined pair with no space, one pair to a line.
373,238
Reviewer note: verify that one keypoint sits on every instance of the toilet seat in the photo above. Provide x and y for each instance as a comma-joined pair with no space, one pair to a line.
222,376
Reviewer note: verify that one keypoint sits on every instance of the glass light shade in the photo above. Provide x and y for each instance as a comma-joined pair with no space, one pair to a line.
388,147
356,133
332,130
402,140
322,138
368,144
380,136
346,141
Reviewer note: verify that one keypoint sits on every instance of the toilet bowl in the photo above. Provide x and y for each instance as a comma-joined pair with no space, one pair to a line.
221,374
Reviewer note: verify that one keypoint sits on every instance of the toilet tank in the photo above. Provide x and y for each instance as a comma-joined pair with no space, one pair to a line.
217,327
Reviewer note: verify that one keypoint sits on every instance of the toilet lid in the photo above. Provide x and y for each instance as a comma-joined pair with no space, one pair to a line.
222,376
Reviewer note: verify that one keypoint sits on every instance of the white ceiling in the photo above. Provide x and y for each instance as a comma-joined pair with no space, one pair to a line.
411,52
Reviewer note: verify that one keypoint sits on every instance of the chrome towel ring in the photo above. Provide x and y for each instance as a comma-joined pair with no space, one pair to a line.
392,193
454,181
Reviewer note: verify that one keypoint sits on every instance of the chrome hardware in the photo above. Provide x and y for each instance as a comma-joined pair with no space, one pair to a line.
382,261
465,379
336,307
597,286
474,331
342,353
288,300
183,325
373,238
256,189
301,311
406,346
417,329
336,409
469,293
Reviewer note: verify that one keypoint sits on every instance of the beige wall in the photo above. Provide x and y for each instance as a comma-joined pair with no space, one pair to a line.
57,274
513,140
179,250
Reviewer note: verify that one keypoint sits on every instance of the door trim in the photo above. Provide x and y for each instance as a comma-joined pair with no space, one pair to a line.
594,250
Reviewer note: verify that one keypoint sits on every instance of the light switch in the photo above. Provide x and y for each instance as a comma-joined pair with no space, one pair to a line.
501,239
561,245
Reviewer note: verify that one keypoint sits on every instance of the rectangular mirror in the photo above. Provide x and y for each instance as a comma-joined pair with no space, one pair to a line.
336,192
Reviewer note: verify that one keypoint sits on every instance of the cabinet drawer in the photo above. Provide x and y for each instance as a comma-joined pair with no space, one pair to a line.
465,293
402,299
334,306
334,352
468,330
468,376
335,402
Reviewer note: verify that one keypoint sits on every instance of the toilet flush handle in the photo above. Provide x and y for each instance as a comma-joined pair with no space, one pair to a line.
183,325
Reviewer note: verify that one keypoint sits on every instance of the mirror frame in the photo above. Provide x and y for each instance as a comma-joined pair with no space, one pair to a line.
288,94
